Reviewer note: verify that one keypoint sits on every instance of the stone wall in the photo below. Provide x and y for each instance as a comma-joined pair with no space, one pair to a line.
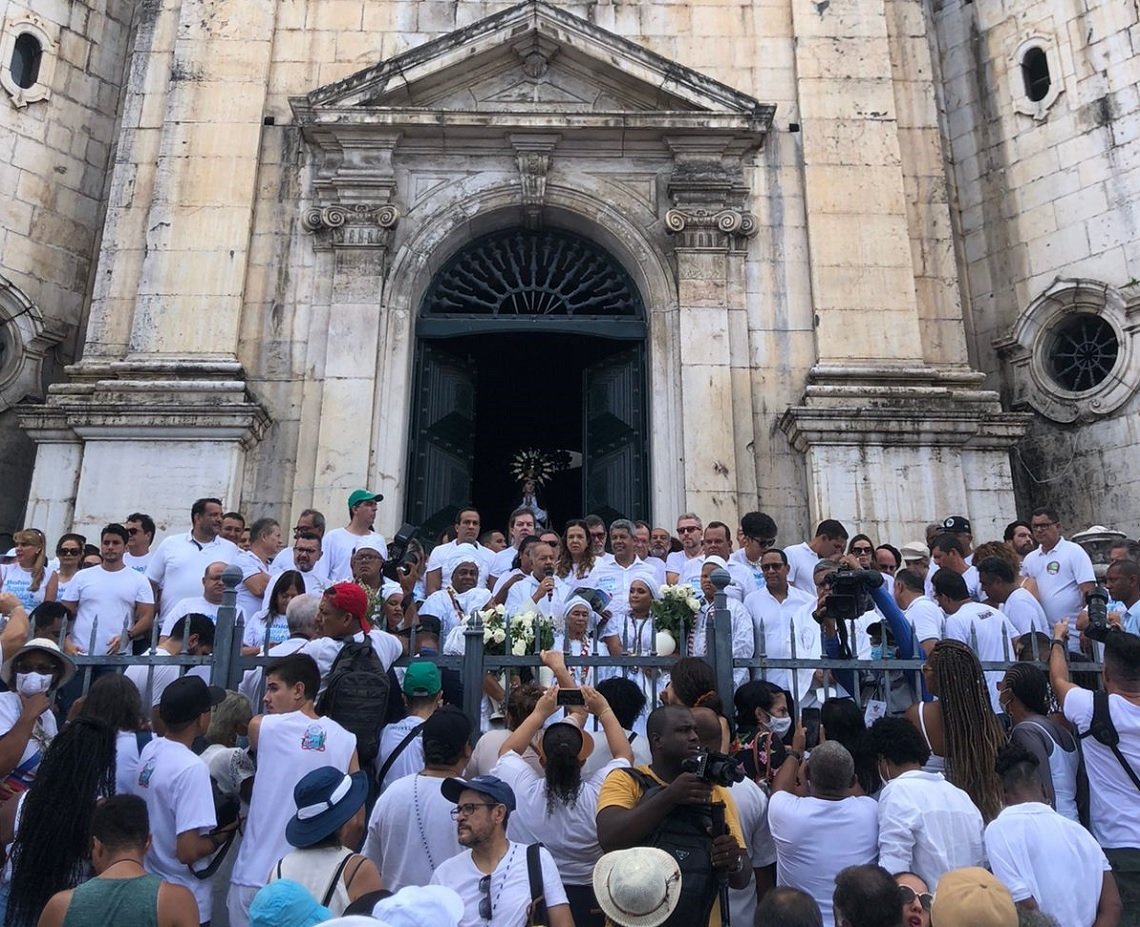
54,151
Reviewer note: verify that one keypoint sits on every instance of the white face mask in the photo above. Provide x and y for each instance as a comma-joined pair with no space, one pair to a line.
33,683
780,726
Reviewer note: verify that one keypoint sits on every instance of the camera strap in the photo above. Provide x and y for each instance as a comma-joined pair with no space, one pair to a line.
1104,732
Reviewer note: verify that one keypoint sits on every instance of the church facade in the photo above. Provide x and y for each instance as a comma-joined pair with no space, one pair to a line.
873,261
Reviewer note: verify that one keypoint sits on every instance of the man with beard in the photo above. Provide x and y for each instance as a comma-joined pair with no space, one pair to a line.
492,875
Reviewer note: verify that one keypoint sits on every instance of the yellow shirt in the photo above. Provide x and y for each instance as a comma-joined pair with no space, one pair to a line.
621,790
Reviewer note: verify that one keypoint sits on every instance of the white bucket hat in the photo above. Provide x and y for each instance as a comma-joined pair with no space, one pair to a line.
67,667
638,887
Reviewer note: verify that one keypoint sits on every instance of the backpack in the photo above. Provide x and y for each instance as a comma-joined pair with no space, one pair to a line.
356,697
686,835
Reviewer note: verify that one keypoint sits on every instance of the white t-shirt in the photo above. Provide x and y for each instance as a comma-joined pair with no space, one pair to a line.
752,809
510,886
286,561
250,684
1059,574
772,620
195,605
325,650
601,755
801,567
18,581
109,596
440,559
157,678
138,564
411,831
1114,802
127,753
743,583
570,834
251,565
614,579
11,707
1025,612
1037,853
289,746
675,562
816,838
180,562
337,548
743,636
175,784
411,758
926,618
988,625
928,826
502,562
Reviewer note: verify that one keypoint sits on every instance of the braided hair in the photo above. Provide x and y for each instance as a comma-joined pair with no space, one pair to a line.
1031,687
52,846
971,731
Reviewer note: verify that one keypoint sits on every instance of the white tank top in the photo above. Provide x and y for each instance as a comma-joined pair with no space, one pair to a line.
1063,765
289,747
316,869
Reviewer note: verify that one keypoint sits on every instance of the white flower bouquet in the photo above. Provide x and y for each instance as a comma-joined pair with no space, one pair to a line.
674,609
528,627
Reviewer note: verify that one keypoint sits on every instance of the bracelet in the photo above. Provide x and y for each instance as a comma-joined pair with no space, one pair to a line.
1058,640
608,710
796,753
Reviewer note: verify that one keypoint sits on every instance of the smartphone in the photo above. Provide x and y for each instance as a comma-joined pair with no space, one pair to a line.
809,718
571,697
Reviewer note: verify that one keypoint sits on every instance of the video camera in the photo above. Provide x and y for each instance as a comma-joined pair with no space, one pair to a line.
400,560
849,595
714,768
1096,601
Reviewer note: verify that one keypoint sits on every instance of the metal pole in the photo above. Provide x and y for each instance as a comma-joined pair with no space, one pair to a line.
224,651
719,648
473,673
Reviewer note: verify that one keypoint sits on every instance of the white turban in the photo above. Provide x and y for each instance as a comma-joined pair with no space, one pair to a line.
573,602
390,588
651,584
463,553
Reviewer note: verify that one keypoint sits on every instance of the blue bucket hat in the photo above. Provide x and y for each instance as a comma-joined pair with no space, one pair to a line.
326,798
285,903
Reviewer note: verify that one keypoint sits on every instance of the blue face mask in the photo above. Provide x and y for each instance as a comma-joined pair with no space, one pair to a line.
877,652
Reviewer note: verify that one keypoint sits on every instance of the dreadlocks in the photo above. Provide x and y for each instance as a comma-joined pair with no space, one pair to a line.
971,731
52,845
1030,686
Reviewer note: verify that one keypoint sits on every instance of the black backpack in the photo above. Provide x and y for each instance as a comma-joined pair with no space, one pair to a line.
686,835
356,697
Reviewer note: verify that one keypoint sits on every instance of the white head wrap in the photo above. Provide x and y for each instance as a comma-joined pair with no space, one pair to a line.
463,553
651,584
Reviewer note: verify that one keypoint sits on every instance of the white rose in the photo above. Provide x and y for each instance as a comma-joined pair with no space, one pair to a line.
499,635
518,648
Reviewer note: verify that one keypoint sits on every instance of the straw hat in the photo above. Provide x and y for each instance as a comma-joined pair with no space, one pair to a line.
639,887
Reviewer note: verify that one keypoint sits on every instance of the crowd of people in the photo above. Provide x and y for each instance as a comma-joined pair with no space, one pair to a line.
342,782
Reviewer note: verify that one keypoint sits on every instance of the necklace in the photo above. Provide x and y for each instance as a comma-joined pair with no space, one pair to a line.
420,820
123,859
503,880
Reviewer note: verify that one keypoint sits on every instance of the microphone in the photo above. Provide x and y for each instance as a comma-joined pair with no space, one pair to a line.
548,572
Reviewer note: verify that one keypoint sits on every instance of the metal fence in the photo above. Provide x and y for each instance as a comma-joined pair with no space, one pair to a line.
228,664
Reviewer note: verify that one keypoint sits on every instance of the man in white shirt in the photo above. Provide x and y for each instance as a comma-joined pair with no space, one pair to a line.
828,543
1114,777
264,543
140,529
614,576
179,561
520,525
689,531
983,628
310,521
1122,579
492,862
341,617
718,543
538,590
656,567
339,544
948,553
301,620
1019,537
598,537
461,594
824,832
192,635
757,534
290,740
1047,862
772,610
306,560
119,598
438,574
926,825
206,604
410,831
175,784
924,615
1017,604
233,528
743,634
401,745
1062,570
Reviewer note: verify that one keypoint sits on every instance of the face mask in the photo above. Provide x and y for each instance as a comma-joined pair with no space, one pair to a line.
877,652
33,683
779,726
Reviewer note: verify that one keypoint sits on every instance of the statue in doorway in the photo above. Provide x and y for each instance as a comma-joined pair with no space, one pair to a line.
530,501
534,468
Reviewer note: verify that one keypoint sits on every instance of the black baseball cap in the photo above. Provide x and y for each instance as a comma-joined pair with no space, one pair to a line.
187,698
449,727
956,524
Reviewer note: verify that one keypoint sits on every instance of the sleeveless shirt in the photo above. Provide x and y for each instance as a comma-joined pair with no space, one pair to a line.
99,902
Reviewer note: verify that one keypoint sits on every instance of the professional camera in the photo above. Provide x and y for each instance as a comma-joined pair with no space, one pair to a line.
1096,601
849,595
400,559
714,768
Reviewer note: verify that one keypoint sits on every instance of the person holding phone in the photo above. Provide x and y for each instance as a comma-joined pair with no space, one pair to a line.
558,807
27,725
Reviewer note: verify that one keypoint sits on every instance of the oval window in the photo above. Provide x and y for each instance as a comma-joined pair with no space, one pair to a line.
1082,352
26,55
1035,74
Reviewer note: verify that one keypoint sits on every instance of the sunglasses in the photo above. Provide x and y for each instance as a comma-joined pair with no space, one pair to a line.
764,542
133,531
862,550
687,529
69,551
908,895
485,901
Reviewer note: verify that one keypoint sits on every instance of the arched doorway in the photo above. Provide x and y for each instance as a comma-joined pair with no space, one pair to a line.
528,339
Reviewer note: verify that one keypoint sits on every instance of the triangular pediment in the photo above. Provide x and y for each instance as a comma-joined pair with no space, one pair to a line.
534,58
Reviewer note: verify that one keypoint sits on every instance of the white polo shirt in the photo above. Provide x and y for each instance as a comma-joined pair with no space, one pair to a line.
801,567
988,625
1039,854
926,618
180,562
1059,573
196,605
440,559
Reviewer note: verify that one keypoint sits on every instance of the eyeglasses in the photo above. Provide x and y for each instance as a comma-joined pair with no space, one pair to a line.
1042,524
469,809
367,558
908,895
485,901
687,529
133,531
69,551
862,550
771,567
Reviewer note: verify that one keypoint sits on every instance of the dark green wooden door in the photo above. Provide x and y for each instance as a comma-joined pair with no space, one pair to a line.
614,458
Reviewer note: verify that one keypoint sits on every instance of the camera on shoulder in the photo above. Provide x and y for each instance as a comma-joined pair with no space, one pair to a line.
714,768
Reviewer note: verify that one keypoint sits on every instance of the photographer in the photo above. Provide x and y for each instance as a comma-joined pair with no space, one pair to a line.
662,805
1109,724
